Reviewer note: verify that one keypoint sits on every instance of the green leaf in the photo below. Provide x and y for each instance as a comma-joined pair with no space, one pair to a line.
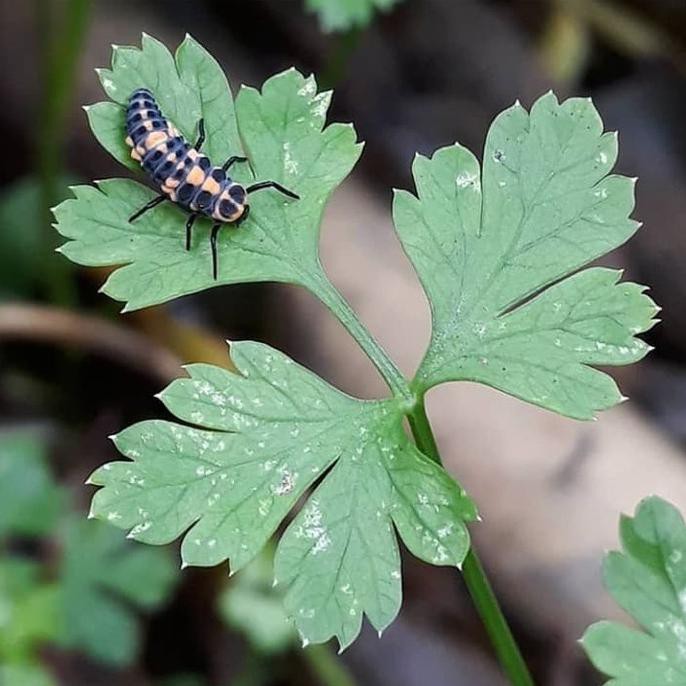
29,614
30,502
492,249
343,15
253,606
25,675
648,579
102,578
188,87
269,433
281,131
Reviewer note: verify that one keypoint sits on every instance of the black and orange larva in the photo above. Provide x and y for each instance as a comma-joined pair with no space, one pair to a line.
183,174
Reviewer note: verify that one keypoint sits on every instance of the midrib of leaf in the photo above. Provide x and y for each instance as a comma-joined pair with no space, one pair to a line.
442,343
528,208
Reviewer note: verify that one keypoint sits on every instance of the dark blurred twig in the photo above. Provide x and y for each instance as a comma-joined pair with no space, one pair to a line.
38,323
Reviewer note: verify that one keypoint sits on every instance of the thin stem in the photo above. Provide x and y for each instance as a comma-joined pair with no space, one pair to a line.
477,582
328,670
492,616
343,46
341,309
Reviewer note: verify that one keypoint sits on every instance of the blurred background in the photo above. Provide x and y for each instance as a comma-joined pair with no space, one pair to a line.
79,605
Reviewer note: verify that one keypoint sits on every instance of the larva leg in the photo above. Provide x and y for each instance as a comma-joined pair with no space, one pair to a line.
233,159
272,184
189,227
201,135
153,203
213,245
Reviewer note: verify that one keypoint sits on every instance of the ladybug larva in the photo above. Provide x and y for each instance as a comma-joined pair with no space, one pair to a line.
183,174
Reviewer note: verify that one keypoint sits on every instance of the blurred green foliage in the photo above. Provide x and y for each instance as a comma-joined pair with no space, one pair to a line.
252,605
30,503
23,244
64,581
342,15
103,578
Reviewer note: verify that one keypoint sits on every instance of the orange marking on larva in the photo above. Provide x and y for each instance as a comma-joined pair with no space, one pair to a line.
135,155
148,125
140,149
172,157
193,154
237,214
129,141
155,138
211,185
195,176
171,183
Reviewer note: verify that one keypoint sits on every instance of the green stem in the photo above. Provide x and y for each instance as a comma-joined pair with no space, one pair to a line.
479,587
61,49
326,667
477,582
341,309
339,55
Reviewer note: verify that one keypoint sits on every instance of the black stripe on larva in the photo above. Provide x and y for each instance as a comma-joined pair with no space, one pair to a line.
170,161
237,194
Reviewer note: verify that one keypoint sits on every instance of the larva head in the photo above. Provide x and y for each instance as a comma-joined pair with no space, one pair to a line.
231,204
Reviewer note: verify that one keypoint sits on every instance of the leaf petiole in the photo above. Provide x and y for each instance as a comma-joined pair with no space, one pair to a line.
475,577
341,309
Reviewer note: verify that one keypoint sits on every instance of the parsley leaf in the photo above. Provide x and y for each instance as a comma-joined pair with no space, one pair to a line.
648,579
269,432
281,131
491,249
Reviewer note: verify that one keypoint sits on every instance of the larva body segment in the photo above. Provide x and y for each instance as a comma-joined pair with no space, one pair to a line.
184,175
